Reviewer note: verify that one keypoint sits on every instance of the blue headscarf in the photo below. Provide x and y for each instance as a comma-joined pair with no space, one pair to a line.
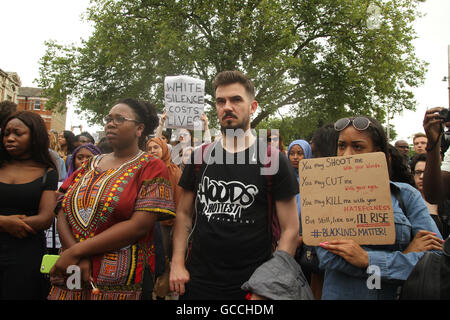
308,155
306,150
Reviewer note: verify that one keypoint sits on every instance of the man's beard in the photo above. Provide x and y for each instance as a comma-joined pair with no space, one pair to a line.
243,125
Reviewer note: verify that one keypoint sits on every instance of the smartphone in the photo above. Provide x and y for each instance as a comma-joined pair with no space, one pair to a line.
48,261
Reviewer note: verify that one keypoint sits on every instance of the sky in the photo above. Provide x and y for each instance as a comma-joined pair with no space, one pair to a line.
28,24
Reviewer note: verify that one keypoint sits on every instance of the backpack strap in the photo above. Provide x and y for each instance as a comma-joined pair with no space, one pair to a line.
197,165
273,224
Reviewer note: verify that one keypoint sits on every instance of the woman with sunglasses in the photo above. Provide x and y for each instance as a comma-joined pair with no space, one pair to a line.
347,264
109,210
28,181
274,138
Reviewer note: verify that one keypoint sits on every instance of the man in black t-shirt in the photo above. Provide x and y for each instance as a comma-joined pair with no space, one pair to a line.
229,186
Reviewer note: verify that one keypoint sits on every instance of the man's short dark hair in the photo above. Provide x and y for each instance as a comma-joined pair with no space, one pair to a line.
229,77
7,108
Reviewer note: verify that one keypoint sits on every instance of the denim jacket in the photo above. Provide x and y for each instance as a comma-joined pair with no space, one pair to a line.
345,281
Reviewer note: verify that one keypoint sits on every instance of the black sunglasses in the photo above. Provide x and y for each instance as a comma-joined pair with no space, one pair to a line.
359,123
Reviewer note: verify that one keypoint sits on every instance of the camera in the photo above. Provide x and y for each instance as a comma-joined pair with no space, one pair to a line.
445,115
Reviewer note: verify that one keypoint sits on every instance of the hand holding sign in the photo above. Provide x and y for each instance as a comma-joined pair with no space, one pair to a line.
346,198
348,250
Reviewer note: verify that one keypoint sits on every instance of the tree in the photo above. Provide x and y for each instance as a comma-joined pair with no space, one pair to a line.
320,59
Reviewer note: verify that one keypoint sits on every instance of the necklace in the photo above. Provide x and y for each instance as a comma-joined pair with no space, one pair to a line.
132,157
118,166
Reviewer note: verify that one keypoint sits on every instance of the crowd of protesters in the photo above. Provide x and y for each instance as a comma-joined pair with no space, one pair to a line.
142,219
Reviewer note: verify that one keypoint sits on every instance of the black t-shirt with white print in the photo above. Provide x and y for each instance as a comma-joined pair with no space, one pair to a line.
231,237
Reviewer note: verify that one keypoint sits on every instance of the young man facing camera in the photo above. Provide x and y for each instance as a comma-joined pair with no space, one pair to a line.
231,235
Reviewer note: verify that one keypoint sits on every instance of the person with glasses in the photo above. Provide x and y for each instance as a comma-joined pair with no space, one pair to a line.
403,147
347,264
109,209
274,138
436,180
438,212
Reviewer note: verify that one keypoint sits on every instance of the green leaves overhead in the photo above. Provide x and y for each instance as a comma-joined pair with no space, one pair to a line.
316,58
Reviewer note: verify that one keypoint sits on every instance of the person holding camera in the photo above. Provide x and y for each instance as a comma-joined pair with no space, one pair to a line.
436,178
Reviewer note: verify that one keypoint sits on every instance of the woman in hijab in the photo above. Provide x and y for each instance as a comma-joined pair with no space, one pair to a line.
158,148
298,150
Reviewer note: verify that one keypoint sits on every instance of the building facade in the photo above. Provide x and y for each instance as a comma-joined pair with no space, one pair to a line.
9,86
31,99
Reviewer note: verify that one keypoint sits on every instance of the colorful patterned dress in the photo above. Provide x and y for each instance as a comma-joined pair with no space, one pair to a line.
95,200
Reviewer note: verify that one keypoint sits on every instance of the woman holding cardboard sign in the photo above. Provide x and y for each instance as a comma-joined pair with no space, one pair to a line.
375,272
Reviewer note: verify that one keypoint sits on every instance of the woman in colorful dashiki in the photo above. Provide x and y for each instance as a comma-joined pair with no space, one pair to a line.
109,210
28,181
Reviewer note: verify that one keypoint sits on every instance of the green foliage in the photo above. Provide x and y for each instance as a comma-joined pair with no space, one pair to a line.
317,58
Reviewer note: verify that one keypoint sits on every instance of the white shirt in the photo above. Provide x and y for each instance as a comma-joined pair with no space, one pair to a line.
445,166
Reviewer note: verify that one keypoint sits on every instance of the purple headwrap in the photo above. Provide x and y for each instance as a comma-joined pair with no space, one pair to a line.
92,148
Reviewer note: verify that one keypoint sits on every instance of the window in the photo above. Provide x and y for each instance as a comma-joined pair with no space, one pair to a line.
37,104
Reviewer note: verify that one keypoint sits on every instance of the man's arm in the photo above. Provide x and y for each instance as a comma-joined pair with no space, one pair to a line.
435,182
183,227
289,224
